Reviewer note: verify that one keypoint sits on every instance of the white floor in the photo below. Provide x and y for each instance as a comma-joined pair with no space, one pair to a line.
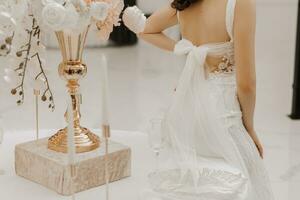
142,79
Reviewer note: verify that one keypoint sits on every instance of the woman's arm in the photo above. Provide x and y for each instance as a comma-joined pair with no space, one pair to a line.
156,24
244,37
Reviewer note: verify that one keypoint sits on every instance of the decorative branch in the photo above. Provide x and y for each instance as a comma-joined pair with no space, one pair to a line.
47,90
33,33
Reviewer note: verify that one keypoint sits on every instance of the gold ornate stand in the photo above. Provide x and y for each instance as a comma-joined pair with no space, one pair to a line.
72,70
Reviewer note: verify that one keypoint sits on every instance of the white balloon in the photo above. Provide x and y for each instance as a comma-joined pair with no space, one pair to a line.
99,10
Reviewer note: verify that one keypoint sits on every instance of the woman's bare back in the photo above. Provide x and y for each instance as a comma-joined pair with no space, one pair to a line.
204,22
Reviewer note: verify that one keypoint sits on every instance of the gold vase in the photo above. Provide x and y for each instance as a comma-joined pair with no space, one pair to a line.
72,69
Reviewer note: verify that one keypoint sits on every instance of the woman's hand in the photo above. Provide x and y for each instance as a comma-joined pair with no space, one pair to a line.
134,19
257,142
151,29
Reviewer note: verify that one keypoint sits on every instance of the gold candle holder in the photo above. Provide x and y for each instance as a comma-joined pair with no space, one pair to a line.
72,69
106,136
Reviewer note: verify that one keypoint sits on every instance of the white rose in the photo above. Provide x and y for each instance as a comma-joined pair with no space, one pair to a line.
79,3
99,10
45,2
54,15
83,21
72,17
134,19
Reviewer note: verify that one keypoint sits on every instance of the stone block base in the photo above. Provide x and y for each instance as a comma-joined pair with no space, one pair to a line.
35,162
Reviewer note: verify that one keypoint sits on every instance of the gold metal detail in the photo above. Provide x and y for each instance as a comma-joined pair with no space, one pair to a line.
106,131
226,65
106,135
72,69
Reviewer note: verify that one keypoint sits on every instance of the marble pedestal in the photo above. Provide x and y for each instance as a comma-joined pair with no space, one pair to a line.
35,162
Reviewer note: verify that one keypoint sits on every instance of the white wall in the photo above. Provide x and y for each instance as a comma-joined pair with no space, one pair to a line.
149,6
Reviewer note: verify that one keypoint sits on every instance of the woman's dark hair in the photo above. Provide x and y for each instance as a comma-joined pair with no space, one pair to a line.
182,4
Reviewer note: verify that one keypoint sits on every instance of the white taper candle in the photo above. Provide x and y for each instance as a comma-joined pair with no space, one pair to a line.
1,140
105,118
36,101
71,142
105,93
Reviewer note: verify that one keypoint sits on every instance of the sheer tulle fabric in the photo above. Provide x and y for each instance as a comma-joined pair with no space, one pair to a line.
204,160
208,153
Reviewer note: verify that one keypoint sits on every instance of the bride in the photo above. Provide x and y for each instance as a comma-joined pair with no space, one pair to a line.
212,148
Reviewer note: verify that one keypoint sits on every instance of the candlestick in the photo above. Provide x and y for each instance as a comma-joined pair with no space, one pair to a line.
1,140
106,135
72,69
105,101
71,145
105,120
36,100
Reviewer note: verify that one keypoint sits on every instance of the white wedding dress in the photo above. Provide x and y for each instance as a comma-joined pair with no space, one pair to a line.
208,153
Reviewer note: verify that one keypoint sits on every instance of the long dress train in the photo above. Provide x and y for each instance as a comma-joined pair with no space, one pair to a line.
210,154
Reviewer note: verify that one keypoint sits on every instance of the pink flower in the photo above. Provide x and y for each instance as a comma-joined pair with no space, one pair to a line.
88,1
113,18
106,26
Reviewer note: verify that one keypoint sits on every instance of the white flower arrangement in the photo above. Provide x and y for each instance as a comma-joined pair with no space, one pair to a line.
54,16
75,15
99,10
23,21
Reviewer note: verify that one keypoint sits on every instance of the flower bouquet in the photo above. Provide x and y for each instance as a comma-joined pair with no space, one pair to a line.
23,24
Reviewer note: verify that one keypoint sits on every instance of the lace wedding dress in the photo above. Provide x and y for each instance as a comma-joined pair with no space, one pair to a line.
208,153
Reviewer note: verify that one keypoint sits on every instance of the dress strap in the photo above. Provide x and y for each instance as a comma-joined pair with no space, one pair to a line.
230,10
